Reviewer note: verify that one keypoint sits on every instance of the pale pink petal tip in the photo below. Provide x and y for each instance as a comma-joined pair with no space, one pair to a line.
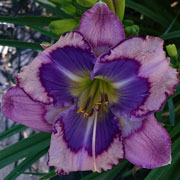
17,106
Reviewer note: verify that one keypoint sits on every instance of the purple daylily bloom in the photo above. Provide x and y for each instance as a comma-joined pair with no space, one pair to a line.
96,92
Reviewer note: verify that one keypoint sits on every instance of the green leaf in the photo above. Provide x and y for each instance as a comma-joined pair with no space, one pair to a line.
172,23
23,148
20,44
62,26
171,111
15,129
34,22
171,35
48,175
28,20
120,8
45,32
86,3
175,131
147,12
20,168
51,7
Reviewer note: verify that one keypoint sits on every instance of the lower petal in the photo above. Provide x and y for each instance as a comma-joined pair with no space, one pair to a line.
17,106
149,146
72,143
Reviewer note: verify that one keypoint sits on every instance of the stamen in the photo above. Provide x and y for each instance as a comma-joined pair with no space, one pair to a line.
94,141
98,103
106,103
86,114
80,110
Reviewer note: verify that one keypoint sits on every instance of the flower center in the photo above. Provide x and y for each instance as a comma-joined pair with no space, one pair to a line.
93,95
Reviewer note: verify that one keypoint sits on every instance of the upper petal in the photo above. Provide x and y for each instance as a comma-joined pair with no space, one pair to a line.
131,90
154,66
17,106
78,143
101,28
149,146
49,77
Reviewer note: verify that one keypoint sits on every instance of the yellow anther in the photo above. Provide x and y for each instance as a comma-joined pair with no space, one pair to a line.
98,103
80,110
86,114
96,106
106,102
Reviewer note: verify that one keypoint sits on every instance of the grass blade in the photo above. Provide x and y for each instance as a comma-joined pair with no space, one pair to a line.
15,129
48,175
172,23
171,111
23,148
20,44
45,32
171,35
25,165
147,12
28,20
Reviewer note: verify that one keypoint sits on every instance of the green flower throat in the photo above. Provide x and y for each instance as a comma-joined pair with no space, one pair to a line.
93,94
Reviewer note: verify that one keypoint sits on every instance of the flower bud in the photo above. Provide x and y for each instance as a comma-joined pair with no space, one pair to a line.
61,26
86,3
45,45
132,30
120,8
110,4
68,9
172,51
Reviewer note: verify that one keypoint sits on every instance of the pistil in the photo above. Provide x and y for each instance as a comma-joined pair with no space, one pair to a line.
95,94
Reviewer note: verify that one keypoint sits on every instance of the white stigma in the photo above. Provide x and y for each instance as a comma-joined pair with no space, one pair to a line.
94,140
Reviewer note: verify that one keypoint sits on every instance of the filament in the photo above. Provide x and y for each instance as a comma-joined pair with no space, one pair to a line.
94,141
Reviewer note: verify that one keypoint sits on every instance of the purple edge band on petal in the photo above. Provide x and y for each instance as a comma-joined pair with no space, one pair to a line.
35,100
143,78
165,92
76,151
62,172
109,52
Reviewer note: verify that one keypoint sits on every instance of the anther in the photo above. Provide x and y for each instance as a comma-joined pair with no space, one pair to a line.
86,114
98,103
106,103
80,110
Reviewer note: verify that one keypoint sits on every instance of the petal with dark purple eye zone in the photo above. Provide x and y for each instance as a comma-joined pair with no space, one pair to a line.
71,146
17,106
131,90
49,77
101,28
149,146
154,67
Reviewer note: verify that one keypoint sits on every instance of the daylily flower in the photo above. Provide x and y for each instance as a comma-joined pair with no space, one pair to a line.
96,92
